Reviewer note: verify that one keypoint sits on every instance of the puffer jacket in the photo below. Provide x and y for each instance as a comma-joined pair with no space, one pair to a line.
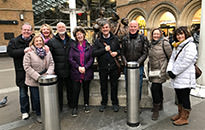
158,59
135,49
183,67
33,65
105,60
60,53
74,59
15,50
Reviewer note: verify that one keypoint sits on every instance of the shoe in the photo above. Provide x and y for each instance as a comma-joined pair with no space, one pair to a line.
38,119
25,116
87,108
74,112
102,108
115,108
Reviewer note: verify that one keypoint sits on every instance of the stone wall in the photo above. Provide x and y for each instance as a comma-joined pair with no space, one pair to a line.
95,96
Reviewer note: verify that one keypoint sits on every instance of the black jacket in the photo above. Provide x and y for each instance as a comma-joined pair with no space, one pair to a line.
60,53
15,49
135,48
105,60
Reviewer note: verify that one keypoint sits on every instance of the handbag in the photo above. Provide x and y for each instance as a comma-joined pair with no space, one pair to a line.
154,73
198,71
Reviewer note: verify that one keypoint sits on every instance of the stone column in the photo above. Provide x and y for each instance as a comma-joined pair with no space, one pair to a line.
200,89
73,20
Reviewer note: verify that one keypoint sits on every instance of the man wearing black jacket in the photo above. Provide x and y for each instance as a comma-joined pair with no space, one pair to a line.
135,48
15,50
106,48
60,46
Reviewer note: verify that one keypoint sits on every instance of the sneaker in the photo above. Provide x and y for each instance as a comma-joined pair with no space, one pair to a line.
38,119
25,116
87,108
102,108
115,108
74,112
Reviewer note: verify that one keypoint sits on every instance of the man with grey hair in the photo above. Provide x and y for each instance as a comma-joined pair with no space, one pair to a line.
106,48
15,50
135,48
60,46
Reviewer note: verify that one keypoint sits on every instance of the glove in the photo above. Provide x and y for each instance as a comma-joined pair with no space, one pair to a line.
171,74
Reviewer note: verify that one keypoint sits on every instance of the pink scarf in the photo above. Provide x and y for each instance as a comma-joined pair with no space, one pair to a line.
82,57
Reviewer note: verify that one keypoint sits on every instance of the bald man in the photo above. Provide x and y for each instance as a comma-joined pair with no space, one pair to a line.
60,46
135,48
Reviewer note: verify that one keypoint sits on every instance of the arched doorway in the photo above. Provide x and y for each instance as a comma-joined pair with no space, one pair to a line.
167,23
142,24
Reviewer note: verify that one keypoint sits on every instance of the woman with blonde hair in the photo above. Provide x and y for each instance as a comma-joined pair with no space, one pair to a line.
46,32
37,62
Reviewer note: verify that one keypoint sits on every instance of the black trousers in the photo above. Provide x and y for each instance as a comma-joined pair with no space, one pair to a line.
76,91
113,75
183,97
65,82
157,93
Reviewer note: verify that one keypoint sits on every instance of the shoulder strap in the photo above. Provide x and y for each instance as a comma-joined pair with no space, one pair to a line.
164,50
180,51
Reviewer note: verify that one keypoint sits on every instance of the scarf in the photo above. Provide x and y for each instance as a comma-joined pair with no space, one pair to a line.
154,42
41,52
176,44
45,39
132,36
82,57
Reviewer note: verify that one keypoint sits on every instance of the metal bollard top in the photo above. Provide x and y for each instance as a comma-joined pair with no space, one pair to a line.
132,64
46,79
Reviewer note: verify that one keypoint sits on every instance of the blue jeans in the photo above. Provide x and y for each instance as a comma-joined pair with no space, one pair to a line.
141,80
24,99
36,100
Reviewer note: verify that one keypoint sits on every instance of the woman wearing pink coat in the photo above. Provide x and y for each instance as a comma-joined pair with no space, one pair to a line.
37,61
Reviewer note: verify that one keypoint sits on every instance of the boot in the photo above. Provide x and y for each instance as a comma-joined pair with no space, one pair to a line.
155,113
160,107
176,117
183,120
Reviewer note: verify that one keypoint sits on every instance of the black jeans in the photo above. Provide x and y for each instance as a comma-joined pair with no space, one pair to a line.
76,91
65,82
157,93
183,97
113,74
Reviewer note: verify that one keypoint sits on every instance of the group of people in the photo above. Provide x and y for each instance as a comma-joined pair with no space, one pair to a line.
72,60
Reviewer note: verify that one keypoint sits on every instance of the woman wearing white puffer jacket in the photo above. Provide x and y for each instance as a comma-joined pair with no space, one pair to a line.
182,71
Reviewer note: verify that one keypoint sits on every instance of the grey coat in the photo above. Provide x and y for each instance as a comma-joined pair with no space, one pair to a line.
158,59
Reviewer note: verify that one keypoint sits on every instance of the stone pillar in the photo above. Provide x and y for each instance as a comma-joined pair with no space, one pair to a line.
200,89
73,20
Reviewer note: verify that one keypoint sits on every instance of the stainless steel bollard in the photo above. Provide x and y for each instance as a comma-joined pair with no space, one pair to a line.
49,102
133,78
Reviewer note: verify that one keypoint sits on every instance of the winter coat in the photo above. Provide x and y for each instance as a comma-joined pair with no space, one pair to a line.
15,49
158,59
135,49
33,65
74,59
60,53
183,67
105,60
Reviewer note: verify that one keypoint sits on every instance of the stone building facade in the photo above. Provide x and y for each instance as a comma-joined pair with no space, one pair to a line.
13,13
152,10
